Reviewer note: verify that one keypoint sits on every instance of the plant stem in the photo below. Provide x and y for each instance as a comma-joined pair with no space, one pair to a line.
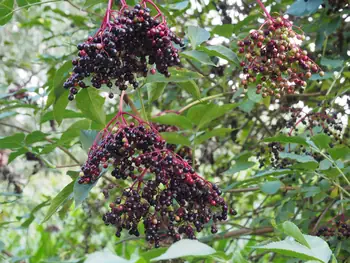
131,104
202,100
142,105
264,9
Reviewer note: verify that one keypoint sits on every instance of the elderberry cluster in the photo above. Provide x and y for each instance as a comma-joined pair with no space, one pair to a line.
166,194
120,51
339,229
273,60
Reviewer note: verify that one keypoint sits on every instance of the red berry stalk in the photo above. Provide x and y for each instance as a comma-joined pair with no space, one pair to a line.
127,41
164,192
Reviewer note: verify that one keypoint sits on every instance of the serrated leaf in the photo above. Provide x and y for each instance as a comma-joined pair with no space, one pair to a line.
174,119
222,52
321,140
175,138
59,199
12,142
292,230
87,138
197,35
199,56
287,139
319,251
6,11
271,187
35,136
297,157
155,91
177,75
191,88
186,247
195,113
219,132
91,105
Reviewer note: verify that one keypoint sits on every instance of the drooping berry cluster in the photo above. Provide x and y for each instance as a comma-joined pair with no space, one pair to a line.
307,124
273,60
340,229
120,51
166,194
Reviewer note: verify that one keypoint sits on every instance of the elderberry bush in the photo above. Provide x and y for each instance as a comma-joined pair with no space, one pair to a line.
122,49
338,229
273,60
165,192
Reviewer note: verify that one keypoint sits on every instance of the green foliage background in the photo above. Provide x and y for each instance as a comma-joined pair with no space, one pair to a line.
223,124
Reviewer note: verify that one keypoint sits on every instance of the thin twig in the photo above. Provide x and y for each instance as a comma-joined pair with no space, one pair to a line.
324,212
131,104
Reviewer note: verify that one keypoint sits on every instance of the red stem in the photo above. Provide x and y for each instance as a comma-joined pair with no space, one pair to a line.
264,9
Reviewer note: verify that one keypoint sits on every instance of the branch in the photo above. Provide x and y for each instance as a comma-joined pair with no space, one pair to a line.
65,150
264,125
131,104
324,212
307,95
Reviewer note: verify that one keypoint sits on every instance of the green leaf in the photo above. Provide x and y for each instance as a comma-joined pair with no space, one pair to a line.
191,88
12,142
213,112
67,114
91,105
155,91
87,138
60,106
186,247
297,157
174,119
198,56
14,154
195,113
222,52
247,105
7,114
81,191
292,230
319,251
74,131
2,246
339,152
271,187
178,6
59,199
331,63
321,140
35,136
89,3
287,139
6,11
60,77
177,75
301,7
175,138
197,35
253,96
31,218
219,132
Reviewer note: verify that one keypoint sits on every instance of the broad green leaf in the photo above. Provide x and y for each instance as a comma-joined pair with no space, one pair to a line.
87,138
219,132
60,77
12,142
175,138
331,63
327,75
222,52
227,30
6,11
325,165
190,87
74,131
31,218
321,140
14,154
239,166
339,152
197,35
271,187
155,90
292,230
319,251
247,105
35,136
199,56
253,96
89,3
215,112
287,139
91,105
174,119
195,113
67,114
297,157
301,7
7,114
186,247
60,198
105,257
178,5
177,75
81,191
60,106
